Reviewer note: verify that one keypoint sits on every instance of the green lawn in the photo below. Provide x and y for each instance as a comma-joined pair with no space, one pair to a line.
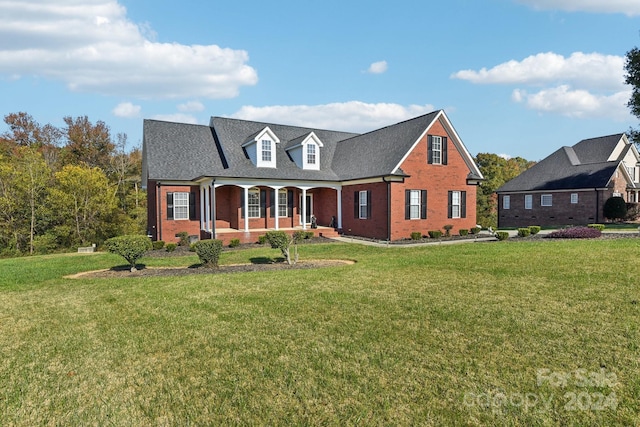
509,333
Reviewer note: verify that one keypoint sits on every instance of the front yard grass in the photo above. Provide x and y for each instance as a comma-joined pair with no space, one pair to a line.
515,333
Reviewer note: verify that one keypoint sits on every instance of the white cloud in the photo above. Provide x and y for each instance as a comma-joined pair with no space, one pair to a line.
177,118
628,7
126,110
576,102
378,67
191,106
593,69
352,116
91,46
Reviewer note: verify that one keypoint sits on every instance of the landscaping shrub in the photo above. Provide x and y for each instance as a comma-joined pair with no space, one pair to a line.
281,240
575,233
184,238
615,208
596,226
447,230
633,212
534,229
232,244
524,232
208,251
158,244
170,247
131,247
262,239
475,230
309,235
435,234
463,232
416,235
502,235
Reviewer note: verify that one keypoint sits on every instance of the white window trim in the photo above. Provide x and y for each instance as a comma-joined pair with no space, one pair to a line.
574,198
254,193
363,204
283,206
549,197
506,202
415,204
181,206
528,201
456,201
436,141
266,150
311,155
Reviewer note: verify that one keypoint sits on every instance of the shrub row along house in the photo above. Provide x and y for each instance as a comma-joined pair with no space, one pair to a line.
238,178
571,186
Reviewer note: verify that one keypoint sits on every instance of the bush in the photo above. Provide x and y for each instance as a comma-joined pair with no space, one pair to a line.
208,251
416,235
596,226
475,230
262,239
184,238
463,231
232,244
281,240
309,235
131,247
524,232
575,233
633,212
435,234
534,229
502,235
158,244
615,208
447,230
44,244
170,247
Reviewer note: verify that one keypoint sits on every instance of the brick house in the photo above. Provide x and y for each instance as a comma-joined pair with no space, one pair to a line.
238,178
570,186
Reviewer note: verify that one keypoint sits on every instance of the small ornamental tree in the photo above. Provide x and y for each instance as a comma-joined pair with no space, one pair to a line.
131,247
615,208
281,240
208,251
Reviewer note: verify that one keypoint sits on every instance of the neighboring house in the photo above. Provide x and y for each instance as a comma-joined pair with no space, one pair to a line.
571,186
238,178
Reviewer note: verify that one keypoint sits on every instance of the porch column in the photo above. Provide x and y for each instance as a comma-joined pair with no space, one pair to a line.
246,209
304,209
212,229
277,200
339,190
202,219
208,210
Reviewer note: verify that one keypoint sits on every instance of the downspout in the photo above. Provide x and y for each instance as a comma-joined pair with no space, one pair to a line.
159,210
384,179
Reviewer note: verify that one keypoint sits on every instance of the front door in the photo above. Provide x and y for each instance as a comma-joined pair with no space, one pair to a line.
309,208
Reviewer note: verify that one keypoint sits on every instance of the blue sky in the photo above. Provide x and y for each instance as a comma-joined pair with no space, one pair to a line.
516,77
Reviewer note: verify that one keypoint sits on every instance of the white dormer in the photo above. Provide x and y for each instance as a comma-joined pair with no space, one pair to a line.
261,148
305,151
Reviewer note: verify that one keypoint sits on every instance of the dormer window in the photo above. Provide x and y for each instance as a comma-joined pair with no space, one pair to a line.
311,154
260,148
305,151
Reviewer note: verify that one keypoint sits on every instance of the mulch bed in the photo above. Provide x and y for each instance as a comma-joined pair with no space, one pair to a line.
124,271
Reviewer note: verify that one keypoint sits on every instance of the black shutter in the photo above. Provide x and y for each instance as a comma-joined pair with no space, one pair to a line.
463,204
263,203
429,149
449,207
272,203
169,205
368,203
423,204
444,150
192,206
290,203
242,203
356,206
407,204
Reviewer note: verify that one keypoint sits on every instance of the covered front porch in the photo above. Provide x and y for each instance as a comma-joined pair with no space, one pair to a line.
246,209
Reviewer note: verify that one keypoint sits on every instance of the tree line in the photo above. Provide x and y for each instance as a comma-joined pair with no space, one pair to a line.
66,187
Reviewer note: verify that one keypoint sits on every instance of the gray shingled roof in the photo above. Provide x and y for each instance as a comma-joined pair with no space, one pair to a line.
584,165
177,151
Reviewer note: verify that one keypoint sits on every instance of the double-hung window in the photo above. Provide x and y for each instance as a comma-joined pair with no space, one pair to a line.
457,207
546,200
266,150
528,201
282,203
180,205
506,202
363,203
415,204
254,203
574,198
311,154
436,149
